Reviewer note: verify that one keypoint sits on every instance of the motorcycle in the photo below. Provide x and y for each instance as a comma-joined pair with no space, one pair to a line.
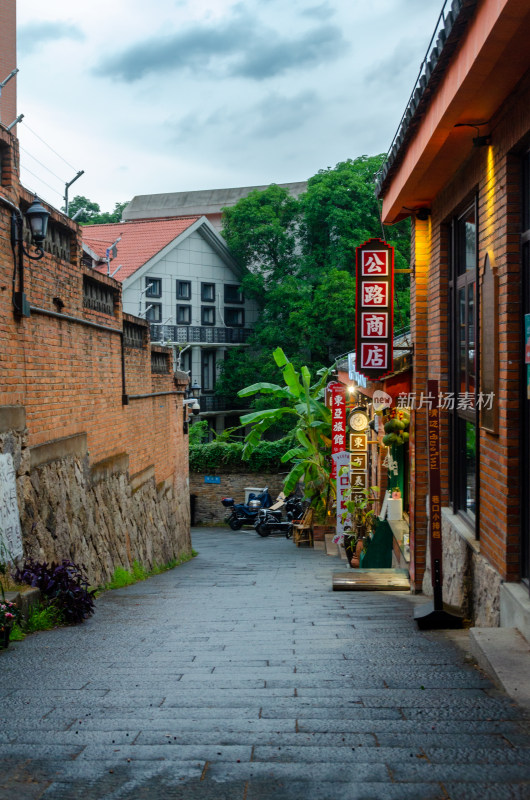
245,514
271,519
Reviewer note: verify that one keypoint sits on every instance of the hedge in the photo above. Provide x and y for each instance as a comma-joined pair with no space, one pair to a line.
225,457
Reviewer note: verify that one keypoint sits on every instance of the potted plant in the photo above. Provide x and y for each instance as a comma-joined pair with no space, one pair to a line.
359,507
8,617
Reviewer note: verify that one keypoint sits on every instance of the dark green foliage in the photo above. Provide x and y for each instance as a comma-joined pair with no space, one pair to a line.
300,254
92,214
223,457
64,585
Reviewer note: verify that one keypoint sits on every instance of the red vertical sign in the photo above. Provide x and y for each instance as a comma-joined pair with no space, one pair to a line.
435,516
338,420
374,328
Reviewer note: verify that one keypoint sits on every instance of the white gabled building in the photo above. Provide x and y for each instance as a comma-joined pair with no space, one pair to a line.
179,274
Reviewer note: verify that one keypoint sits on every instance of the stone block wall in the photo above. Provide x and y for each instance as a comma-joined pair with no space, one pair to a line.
208,508
97,515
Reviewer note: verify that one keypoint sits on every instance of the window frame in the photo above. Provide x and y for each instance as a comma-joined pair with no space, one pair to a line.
151,292
183,307
154,306
204,293
211,366
240,311
461,279
180,284
239,294
204,311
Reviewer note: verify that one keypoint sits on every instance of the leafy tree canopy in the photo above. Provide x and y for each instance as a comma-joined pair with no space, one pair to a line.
90,212
300,256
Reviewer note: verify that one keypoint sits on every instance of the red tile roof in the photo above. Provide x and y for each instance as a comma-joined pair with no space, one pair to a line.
140,241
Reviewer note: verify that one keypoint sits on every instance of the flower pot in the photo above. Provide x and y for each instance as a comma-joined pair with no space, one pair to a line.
4,636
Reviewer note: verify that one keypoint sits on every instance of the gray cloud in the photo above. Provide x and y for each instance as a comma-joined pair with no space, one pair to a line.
269,118
402,62
322,11
238,47
34,35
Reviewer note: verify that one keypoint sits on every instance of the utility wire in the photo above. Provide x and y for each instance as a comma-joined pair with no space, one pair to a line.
43,165
42,181
26,127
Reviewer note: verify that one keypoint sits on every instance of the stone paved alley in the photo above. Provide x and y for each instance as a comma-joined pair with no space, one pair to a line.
241,676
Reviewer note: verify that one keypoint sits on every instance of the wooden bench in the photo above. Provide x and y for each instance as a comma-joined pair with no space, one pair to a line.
303,530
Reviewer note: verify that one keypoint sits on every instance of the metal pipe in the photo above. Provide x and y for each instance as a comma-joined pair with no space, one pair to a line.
152,394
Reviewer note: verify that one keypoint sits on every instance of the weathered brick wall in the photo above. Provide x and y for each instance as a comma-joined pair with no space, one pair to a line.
493,174
67,376
208,507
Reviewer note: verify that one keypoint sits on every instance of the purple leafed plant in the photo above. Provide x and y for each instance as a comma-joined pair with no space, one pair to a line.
65,585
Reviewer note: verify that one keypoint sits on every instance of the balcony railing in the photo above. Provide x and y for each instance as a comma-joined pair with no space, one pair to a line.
199,334
210,403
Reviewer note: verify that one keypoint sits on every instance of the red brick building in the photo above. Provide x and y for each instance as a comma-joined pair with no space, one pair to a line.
460,167
91,414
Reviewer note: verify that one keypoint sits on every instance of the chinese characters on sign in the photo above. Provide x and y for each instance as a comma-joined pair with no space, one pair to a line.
435,517
359,464
374,308
338,420
10,533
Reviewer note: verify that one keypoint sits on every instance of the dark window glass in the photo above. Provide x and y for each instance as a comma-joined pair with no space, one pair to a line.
234,317
185,361
184,290
464,364
207,315
208,292
183,315
208,370
233,293
154,314
153,287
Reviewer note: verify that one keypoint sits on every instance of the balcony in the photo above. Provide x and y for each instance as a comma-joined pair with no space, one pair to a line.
199,334
212,403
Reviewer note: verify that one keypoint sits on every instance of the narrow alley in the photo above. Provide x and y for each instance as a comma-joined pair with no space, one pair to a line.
241,676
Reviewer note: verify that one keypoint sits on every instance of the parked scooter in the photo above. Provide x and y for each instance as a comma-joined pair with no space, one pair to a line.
245,514
272,520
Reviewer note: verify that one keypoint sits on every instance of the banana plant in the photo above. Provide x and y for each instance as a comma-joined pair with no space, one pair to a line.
303,401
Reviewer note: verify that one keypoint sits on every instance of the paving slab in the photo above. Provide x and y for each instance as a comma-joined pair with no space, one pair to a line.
241,675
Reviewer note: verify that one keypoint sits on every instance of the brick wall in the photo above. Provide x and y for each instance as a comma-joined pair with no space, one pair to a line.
67,375
208,507
8,60
493,174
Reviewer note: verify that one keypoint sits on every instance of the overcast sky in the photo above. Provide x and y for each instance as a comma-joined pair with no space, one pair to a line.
176,95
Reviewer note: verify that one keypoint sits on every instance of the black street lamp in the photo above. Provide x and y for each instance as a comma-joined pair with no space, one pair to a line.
37,217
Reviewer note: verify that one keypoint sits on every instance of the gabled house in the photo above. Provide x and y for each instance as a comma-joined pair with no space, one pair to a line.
179,275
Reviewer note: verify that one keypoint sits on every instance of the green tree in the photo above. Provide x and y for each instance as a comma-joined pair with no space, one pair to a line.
90,213
304,404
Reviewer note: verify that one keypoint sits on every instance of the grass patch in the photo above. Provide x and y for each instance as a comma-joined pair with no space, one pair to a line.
16,634
123,577
42,618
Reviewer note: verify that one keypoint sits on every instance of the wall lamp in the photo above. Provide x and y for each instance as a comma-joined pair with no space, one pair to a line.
37,217
193,393
423,214
479,140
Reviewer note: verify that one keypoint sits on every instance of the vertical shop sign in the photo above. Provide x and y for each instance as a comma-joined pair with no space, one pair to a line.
433,614
527,352
337,391
342,466
374,327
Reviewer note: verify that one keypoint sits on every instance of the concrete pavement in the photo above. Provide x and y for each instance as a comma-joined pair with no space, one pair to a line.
241,676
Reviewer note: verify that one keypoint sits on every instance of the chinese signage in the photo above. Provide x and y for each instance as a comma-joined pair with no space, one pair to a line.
374,308
338,420
435,517
212,479
10,533
358,464
342,466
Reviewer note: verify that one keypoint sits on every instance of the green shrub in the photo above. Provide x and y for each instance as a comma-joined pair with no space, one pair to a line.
227,457
42,618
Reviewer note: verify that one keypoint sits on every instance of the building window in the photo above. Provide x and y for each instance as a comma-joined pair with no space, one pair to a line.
183,315
208,370
153,287
207,315
234,317
154,312
183,290
185,361
233,293
464,364
208,292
